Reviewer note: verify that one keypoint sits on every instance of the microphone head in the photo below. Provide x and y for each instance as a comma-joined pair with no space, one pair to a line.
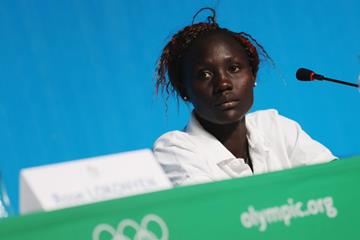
304,74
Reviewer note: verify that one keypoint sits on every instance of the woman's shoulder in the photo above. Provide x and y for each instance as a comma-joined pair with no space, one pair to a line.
270,121
173,138
260,114
267,118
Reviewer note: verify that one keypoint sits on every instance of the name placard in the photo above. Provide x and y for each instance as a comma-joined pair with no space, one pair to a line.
90,180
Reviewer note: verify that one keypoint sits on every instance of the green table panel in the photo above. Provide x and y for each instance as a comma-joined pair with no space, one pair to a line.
315,202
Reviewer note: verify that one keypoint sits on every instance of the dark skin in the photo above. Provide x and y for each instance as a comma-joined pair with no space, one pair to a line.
218,81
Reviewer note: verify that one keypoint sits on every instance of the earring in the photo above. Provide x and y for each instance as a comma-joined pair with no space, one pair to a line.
255,84
185,98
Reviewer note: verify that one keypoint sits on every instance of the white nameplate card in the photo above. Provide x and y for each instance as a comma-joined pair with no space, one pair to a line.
90,180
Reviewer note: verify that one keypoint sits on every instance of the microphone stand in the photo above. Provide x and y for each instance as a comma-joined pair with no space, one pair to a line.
320,77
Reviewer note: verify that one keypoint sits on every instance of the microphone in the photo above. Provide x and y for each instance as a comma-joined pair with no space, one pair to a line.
304,74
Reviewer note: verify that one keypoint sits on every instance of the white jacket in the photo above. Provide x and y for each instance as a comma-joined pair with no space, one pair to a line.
275,143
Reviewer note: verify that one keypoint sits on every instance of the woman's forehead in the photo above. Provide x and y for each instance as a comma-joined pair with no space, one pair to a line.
215,43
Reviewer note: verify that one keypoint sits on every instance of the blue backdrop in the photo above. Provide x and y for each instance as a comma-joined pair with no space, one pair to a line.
77,77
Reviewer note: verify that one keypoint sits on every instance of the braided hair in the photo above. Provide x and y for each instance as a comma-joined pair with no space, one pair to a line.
168,69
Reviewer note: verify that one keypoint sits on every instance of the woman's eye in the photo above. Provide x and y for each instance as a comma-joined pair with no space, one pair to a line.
234,68
205,75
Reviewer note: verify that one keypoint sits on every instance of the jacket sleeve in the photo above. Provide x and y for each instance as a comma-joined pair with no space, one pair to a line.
180,159
301,148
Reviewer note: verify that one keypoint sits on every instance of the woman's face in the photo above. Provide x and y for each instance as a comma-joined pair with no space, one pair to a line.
217,78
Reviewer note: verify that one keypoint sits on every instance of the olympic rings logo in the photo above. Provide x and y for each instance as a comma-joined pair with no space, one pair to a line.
142,231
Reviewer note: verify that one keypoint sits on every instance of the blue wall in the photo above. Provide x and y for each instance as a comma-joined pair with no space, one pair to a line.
76,77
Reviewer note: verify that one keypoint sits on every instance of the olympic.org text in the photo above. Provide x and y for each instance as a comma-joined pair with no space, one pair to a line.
286,212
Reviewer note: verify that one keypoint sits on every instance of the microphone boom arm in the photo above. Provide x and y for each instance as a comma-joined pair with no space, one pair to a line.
304,74
341,82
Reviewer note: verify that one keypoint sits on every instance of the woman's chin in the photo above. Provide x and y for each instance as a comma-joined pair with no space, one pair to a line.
225,117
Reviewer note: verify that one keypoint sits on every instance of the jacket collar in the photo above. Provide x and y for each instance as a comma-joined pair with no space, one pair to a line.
258,144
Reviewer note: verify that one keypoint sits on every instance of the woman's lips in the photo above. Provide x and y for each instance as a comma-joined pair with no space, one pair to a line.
227,105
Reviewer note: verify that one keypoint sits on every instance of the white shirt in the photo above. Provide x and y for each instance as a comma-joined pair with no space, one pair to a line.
275,143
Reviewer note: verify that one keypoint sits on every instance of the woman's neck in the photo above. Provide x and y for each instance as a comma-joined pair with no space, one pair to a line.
232,136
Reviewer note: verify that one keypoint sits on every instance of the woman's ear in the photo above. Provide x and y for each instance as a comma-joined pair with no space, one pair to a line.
254,79
183,94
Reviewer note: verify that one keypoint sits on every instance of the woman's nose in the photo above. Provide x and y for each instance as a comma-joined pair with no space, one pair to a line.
222,83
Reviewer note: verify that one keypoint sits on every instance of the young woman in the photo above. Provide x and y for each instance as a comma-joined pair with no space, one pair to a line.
215,70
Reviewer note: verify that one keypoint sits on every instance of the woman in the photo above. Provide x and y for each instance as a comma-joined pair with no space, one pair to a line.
215,70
